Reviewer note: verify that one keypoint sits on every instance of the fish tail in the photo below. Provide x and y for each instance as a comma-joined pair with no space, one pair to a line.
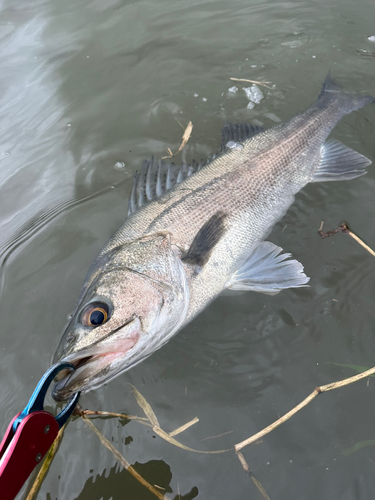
346,102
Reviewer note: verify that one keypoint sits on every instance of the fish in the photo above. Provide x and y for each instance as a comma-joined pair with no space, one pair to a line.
197,230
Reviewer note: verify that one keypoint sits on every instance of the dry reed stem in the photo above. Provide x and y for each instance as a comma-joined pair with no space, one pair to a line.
173,441
112,414
264,84
46,464
184,427
124,462
146,407
358,240
218,436
185,138
343,228
257,483
306,401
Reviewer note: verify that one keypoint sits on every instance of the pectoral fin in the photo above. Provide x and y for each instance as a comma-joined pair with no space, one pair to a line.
340,163
206,239
267,271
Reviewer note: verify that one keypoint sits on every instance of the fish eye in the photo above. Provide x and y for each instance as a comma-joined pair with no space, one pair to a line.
95,314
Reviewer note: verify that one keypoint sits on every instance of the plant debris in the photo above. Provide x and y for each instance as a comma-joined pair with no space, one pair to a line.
185,138
265,84
343,228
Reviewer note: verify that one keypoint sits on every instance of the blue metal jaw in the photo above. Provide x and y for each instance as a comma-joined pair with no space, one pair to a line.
36,402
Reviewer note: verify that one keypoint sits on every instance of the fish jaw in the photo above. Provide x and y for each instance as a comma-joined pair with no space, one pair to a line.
98,364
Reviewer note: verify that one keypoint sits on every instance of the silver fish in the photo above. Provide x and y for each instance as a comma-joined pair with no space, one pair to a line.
197,230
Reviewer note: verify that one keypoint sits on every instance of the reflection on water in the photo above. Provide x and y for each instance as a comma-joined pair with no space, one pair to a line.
89,85
117,483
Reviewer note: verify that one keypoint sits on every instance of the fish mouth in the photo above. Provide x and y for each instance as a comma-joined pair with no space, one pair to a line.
97,364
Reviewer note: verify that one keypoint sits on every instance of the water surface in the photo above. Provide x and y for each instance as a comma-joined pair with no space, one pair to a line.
87,84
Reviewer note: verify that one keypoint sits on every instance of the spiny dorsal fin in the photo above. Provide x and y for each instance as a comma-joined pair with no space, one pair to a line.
238,133
206,239
156,178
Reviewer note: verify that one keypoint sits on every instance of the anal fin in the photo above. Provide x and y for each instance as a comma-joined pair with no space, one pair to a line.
339,163
268,271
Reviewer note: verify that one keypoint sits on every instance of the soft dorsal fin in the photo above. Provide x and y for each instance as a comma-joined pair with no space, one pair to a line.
238,133
157,177
206,239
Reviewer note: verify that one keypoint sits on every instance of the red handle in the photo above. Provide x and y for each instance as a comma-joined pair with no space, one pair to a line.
22,451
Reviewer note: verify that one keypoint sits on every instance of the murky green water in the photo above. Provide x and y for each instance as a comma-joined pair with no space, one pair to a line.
87,84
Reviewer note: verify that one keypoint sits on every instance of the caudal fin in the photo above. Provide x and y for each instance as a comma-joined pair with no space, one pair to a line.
347,102
339,163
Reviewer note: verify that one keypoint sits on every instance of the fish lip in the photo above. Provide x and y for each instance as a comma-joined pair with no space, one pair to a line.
62,390
109,348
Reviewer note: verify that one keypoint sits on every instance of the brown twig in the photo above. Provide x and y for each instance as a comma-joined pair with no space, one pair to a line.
343,228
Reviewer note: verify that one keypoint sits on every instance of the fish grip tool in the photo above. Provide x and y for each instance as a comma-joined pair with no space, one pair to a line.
30,434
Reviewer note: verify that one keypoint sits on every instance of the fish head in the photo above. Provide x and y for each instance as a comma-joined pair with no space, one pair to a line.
134,299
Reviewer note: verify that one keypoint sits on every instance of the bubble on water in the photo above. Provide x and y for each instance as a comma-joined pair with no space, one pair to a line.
233,89
250,105
6,153
69,125
253,66
196,95
371,38
204,99
119,165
